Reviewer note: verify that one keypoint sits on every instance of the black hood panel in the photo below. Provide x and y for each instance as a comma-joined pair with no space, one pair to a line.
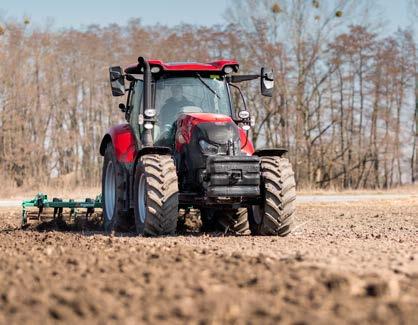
216,132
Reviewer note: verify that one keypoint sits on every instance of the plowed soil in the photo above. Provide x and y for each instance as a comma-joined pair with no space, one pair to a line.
344,263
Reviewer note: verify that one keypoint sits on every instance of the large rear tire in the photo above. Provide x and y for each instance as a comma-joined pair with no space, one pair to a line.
234,221
156,195
231,221
114,193
275,215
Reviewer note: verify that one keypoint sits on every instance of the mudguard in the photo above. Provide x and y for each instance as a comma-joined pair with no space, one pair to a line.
247,144
151,150
154,150
123,140
270,152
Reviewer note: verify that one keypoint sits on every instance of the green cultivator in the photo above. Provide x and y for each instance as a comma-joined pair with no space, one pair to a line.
41,202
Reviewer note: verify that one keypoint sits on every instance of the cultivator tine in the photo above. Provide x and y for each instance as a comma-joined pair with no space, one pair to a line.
57,210
41,209
72,210
40,204
89,211
24,217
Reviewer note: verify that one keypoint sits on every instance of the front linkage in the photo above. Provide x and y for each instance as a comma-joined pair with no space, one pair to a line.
41,202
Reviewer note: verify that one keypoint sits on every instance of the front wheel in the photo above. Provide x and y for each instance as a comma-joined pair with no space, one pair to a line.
156,195
274,215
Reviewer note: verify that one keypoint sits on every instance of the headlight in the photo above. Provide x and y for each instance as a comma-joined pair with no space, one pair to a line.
150,112
228,69
208,148
155,69
244,114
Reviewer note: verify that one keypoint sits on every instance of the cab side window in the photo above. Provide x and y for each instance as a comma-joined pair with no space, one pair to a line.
136,106
136,98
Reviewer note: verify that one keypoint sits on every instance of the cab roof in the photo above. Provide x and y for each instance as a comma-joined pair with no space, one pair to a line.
215,66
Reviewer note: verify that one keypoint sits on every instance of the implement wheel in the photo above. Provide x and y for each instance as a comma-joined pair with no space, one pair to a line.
274,216
114,192
156,195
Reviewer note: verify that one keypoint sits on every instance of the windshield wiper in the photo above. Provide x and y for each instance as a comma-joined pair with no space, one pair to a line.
207,86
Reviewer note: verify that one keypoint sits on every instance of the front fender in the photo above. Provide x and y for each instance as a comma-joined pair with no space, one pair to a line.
151,150
247,144
123,140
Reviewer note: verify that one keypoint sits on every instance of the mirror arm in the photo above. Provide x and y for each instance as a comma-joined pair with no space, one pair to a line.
243,99
243,77
129,77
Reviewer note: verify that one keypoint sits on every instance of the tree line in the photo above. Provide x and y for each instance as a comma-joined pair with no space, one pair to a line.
343,103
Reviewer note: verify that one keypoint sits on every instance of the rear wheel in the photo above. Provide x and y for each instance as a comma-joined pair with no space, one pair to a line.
232,221
115,216
156,195
235,221
274,216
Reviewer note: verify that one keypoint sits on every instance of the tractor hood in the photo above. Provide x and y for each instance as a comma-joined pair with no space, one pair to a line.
213,128
203,137
197,118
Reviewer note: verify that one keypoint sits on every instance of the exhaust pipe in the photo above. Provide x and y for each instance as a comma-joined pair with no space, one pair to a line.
147,140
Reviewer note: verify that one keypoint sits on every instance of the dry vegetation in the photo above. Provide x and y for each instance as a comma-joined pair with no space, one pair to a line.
410,189
342,102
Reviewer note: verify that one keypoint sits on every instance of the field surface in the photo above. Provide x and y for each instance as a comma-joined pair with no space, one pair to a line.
345,262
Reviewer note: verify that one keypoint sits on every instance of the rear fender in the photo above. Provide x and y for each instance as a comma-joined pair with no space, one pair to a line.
270,152
123,141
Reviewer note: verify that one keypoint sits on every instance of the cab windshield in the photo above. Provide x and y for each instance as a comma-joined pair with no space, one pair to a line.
177,95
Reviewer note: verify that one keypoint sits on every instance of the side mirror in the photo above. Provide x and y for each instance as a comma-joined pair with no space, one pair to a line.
267,83
117,81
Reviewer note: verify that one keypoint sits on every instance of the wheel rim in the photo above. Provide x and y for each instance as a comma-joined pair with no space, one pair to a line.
141,198
110,190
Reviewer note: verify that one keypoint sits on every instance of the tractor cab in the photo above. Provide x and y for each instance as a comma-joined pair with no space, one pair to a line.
180,88
182,128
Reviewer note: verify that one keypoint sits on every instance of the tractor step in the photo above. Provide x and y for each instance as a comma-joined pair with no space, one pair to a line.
41,202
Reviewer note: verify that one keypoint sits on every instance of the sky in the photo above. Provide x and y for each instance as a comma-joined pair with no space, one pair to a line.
81,13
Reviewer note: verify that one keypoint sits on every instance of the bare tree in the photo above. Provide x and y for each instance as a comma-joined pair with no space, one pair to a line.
341,106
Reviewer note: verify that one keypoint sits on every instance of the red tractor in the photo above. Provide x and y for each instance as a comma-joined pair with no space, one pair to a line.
185,146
